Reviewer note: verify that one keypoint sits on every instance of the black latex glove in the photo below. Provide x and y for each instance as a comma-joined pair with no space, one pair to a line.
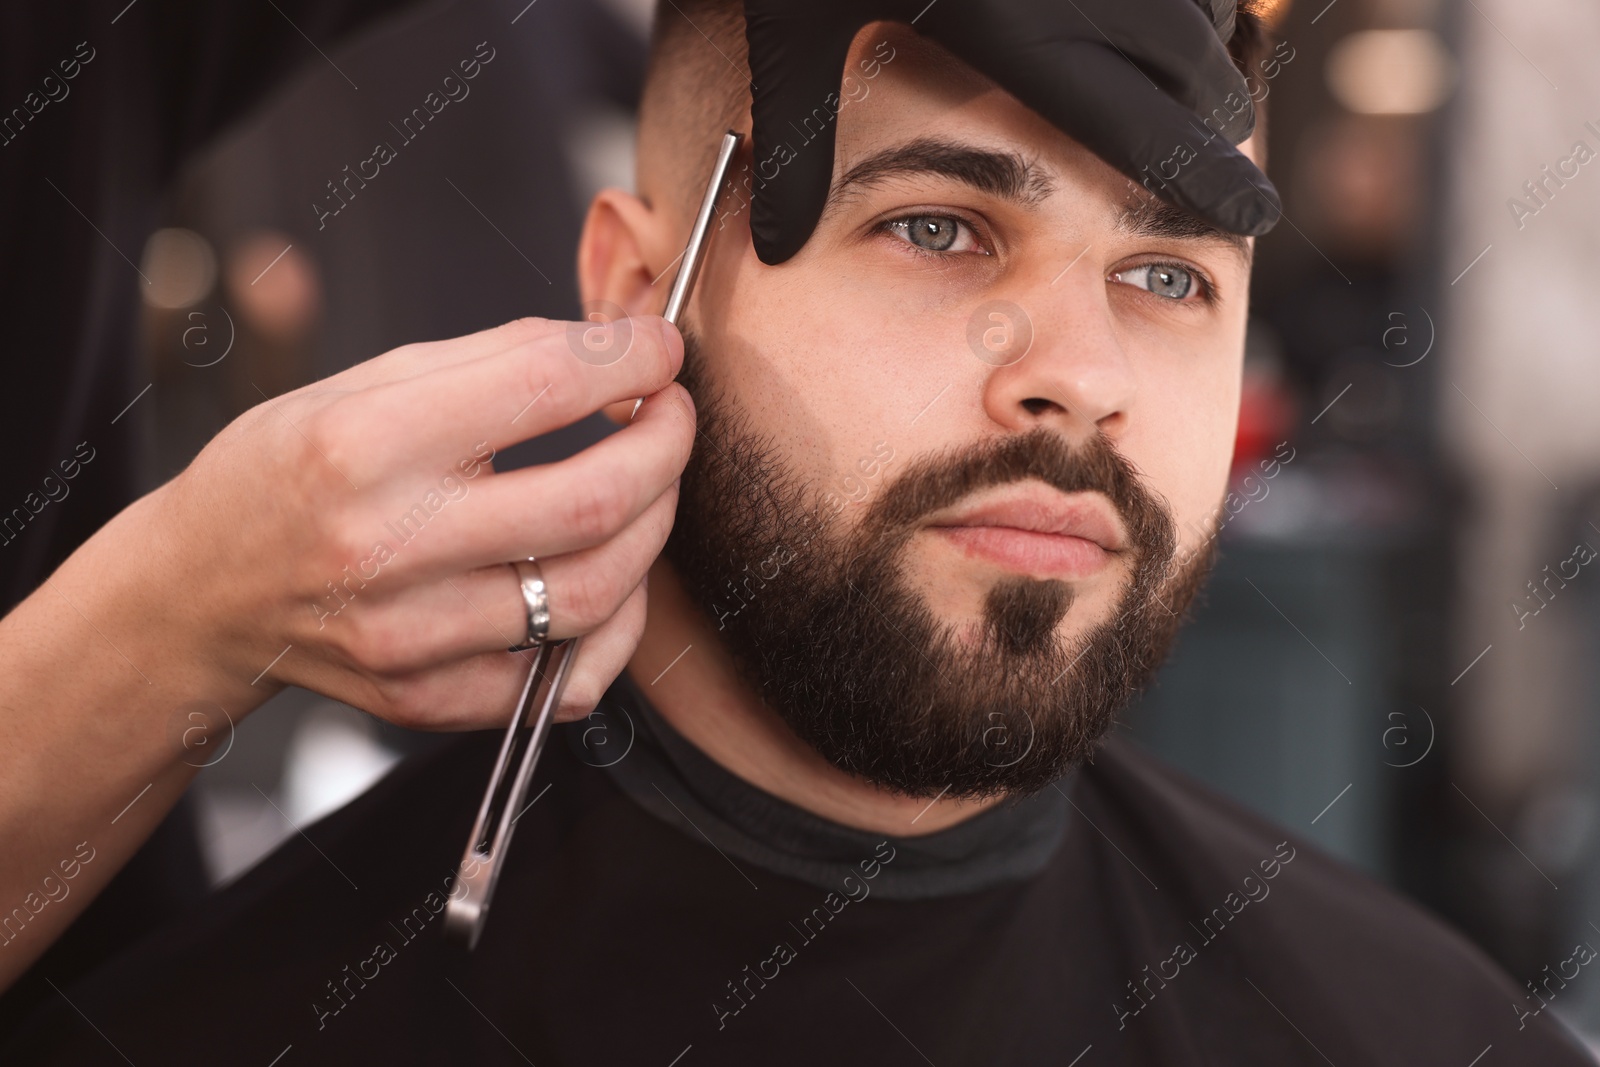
1129,79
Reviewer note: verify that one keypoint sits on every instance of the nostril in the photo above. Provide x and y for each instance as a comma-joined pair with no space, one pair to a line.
1038,405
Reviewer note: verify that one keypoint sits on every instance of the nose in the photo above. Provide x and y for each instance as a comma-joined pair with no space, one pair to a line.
1057,359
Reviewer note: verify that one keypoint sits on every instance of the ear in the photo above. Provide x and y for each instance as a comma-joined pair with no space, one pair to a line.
621,254
620,261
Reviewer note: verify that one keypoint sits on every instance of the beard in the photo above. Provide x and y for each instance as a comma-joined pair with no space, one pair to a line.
822,622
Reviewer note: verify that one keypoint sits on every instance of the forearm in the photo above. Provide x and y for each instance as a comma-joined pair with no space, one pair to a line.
102,666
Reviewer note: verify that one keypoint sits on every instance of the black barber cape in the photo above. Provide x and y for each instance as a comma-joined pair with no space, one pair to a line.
657,910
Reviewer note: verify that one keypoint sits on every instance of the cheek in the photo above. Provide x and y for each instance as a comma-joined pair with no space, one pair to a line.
834,382
1184,444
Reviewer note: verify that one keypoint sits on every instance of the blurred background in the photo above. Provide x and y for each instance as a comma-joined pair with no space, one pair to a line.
1397,653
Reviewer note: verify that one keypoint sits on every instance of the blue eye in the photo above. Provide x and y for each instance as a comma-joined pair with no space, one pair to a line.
934,233
1163,279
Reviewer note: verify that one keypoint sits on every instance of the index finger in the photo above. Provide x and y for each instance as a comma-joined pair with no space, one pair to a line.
1103,101
533,387
419,357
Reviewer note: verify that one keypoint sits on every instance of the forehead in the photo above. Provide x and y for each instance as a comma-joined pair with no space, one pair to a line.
900,87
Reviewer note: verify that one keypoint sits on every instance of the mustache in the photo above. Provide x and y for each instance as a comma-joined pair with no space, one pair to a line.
939,480
935,482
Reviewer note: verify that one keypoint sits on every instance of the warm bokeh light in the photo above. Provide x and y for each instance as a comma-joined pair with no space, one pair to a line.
1391,72
273,284
181,267
1273,11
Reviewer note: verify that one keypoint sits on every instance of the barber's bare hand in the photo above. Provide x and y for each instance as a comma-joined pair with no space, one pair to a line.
356,527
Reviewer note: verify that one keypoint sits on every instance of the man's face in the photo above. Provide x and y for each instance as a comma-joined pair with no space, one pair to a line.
991,335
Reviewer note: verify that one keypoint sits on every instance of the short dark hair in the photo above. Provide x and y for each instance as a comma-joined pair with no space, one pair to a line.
691,95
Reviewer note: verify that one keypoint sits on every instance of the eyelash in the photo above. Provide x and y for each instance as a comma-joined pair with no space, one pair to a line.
1208,289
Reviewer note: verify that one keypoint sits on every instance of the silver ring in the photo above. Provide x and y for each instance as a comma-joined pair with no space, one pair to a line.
535,600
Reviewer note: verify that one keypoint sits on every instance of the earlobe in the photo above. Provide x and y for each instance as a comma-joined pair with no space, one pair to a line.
622,238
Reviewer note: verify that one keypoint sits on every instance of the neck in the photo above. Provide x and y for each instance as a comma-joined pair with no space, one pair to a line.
690,679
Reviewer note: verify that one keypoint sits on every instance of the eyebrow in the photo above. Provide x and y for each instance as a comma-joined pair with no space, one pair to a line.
1009,176
1154,217
1006,175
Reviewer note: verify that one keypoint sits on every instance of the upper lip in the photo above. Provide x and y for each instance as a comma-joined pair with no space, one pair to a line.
1040,509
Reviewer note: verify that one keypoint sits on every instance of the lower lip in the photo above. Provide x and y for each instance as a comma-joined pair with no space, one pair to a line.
1043,554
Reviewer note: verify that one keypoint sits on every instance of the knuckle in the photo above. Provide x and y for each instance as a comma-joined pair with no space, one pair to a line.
664,515
588,598
328,448
580,698
596,508
326,553
346,637
400,703
604,335
552,384
319,429
649,342
371,644
340,545
665,339
585,689
527,328
339,642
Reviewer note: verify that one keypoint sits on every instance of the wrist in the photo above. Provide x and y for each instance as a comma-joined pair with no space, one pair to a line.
159,607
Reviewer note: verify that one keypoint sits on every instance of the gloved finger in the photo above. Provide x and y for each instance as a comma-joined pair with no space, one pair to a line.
1173,43
796,67
1096,96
